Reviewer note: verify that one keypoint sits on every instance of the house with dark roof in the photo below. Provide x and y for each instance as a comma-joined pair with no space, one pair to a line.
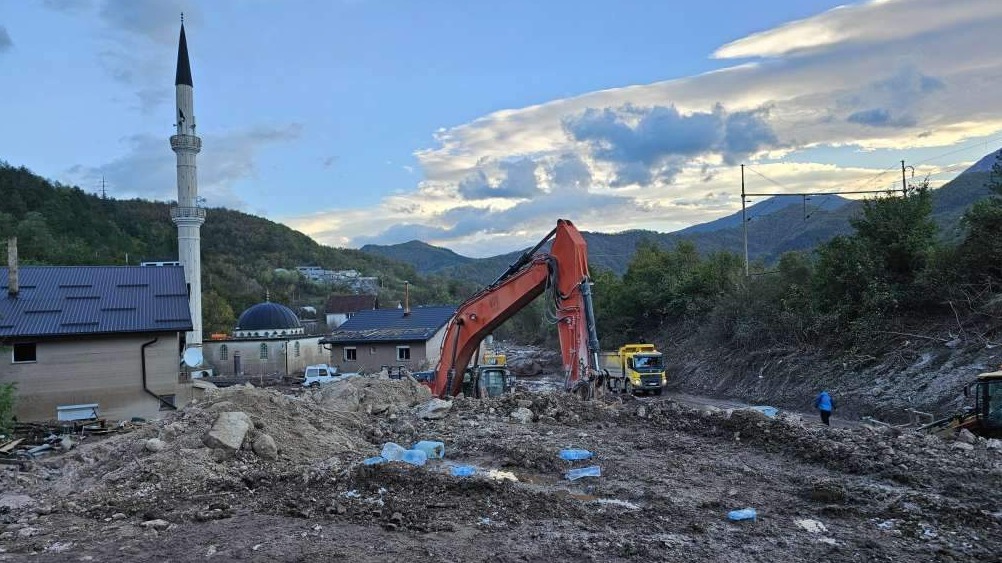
104,340
340,308
374,338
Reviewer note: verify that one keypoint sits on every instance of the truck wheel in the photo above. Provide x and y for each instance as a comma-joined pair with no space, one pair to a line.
315,385
658,391
628,387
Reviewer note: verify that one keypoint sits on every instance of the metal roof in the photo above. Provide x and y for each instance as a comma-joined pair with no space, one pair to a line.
350,303
183,75
84,300
391,325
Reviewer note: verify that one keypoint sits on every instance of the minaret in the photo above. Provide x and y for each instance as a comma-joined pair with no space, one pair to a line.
187,215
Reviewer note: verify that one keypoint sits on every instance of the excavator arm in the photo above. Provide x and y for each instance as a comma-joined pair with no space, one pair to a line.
563,273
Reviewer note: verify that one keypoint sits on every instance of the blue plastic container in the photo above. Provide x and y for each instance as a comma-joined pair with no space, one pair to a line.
462,470
415,457
374,460
393,452
743,514
571,455
574,474
434,450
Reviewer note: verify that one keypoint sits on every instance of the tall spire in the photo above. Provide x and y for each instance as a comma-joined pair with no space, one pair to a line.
183,67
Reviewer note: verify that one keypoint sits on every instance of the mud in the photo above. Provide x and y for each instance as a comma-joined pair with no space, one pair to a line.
670,474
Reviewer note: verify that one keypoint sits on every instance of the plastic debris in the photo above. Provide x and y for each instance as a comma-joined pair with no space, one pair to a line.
592,471
434,450
393,452
376,460
462,470
571,455
767,411
743,514
415,457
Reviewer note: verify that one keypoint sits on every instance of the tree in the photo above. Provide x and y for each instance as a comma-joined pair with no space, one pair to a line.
898,234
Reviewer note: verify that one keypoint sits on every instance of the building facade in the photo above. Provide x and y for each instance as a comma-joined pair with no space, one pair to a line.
105,337
389,337
340,308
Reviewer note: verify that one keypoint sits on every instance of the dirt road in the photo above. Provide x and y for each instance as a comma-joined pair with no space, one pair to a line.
670,474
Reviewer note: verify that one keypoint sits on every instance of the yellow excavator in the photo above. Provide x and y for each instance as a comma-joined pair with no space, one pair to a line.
985,417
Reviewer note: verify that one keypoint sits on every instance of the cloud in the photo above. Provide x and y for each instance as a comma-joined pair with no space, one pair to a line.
140,38
148,170
655,142
66,5
5,43
517,180
880,117
869,22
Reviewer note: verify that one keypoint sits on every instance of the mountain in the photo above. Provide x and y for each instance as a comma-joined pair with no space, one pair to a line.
775,225
985,164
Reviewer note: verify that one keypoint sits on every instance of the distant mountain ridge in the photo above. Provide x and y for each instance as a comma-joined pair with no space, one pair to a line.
776,225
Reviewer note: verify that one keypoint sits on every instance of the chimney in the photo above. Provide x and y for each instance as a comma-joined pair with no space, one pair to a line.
12,287
407,298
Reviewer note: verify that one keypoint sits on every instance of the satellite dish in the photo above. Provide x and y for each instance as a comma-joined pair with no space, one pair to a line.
192,357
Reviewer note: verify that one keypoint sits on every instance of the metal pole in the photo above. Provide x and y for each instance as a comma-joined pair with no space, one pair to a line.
744,219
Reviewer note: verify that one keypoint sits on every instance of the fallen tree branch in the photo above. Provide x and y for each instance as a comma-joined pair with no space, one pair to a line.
936,338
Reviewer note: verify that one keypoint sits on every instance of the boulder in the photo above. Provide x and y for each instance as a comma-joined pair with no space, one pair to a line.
962,446
967,437
994,444
265,447
521,415
228,431
435,409
155,445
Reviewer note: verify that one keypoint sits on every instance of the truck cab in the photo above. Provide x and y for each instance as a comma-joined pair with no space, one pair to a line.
641,368
986,419
492,378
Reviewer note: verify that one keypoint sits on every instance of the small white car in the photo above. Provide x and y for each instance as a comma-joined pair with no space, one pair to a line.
320,374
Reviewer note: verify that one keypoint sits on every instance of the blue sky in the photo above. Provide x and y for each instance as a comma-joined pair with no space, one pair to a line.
474,125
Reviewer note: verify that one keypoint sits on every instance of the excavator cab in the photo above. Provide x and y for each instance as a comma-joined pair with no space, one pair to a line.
986,420
488,381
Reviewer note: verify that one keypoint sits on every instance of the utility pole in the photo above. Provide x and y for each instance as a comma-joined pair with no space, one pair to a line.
744,219
904,183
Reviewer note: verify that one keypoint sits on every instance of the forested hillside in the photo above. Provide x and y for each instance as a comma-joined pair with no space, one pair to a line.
58,224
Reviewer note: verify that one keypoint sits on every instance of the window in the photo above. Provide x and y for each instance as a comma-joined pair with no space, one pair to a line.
264,351
350,354
24,353
403,353
224,352
167,403
349,315
295,350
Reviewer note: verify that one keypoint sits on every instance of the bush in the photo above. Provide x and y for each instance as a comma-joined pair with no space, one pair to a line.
7,400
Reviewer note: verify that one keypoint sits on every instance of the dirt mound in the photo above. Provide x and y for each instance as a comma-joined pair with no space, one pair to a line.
372,395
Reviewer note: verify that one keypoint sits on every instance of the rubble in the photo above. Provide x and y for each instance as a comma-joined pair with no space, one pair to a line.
295,483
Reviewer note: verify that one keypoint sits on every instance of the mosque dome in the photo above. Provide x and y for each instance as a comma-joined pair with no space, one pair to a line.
268,319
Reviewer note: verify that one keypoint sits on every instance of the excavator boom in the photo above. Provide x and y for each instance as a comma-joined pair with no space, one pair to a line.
564,273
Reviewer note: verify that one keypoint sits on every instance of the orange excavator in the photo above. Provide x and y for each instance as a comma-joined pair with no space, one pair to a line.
563,274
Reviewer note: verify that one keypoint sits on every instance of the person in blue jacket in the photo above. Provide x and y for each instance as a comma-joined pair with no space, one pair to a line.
825,404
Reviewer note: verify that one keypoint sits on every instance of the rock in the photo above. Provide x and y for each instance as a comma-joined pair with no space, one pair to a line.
265,447
27,532
66,443
523,403
994,444
521,415
962,446
967,437
642,411
155,445
228,431
435,409
158,524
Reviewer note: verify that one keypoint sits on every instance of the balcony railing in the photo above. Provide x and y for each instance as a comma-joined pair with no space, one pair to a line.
177,212
189,142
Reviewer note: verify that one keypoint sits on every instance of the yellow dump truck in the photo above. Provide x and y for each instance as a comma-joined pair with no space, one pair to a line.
639,367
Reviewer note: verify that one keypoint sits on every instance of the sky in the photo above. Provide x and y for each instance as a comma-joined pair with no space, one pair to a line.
475,125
